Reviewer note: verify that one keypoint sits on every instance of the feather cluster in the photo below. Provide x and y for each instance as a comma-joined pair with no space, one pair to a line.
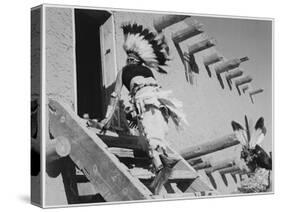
148,46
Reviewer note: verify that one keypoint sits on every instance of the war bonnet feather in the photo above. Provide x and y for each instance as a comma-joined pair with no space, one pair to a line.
149,47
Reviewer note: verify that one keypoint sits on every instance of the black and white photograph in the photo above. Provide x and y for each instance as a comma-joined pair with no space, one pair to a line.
140,106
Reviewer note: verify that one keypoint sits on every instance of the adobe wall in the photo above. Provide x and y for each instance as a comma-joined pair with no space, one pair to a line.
209,108
60,60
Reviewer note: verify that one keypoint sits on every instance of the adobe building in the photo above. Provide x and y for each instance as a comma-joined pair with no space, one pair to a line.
83,53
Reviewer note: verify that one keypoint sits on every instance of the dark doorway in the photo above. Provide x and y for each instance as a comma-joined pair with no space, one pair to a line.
90,94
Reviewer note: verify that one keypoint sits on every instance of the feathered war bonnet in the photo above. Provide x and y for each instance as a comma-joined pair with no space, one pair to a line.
148,47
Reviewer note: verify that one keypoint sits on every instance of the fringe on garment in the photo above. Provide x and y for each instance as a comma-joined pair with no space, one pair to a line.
161,99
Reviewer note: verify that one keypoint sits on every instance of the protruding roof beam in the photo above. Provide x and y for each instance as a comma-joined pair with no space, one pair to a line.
255,92
164,21
231,75
191,30
228,65
242,81
211,59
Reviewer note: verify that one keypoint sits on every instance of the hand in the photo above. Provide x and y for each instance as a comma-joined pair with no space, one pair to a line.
105,125
94,124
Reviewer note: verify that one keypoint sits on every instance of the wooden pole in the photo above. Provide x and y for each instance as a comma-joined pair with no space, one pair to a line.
188,32
200,46
240,172
257,91
229,169
241,81
57,148
254,92
230,64
210,147
195,161
221,165
211,59
204,165
164,21
232,74
226,66
245,87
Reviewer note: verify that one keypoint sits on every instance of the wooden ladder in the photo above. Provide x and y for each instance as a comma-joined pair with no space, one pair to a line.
117,166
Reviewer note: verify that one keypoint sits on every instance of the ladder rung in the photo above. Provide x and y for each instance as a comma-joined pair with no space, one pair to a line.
177,175
182,175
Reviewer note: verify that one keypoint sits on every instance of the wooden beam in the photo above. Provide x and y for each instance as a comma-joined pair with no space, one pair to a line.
226,66
230,64
188,32
201,45
57,148
204,165
221,165
231,75
210,147
211,59
123,141
195,161
164,21
242,81
245,87
255,92
176,176
229,169
110,178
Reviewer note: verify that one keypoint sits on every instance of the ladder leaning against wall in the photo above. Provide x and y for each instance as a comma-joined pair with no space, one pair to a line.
116,166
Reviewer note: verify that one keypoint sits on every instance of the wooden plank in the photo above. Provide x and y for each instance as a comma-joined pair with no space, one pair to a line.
121,152
111,179
123,141
210,147
182,175
176,176
220,165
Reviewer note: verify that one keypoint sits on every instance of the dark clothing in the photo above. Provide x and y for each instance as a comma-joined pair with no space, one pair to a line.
256,157
132,70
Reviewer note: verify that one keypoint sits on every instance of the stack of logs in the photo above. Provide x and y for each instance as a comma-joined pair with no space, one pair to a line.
60,147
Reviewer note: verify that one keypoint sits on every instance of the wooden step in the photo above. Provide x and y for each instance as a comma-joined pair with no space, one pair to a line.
109,177
176,177
112,179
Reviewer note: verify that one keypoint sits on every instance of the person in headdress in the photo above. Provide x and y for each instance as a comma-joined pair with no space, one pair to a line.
151,107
